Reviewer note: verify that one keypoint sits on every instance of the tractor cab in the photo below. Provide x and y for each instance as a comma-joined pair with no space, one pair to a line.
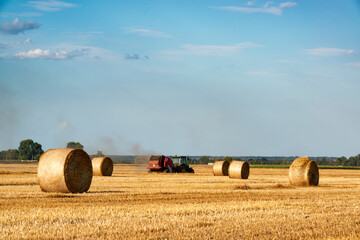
178,160
175,164
180,164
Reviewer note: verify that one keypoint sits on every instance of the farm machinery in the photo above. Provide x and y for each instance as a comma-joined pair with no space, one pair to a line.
161,163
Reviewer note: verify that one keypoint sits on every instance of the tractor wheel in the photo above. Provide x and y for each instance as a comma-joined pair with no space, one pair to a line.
190,170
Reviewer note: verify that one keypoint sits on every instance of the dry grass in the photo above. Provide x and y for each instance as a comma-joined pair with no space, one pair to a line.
136,205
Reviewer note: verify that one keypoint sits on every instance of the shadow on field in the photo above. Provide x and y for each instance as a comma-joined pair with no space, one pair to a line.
105,192
17,184
61,196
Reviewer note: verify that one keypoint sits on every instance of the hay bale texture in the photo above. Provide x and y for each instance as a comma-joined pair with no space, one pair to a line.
304,172
65,170
102,166
221,168
239,169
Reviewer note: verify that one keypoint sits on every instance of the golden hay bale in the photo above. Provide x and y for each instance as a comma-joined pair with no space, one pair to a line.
102,166
220,168
65,170
304,172
239,169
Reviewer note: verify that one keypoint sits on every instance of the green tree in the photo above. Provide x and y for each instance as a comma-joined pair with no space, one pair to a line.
204,160
99,154
228,158
74,145
30,150
213,159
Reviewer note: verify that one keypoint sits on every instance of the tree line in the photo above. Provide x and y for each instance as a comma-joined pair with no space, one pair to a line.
30,150
353,161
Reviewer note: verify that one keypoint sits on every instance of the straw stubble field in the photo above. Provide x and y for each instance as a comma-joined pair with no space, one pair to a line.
133,204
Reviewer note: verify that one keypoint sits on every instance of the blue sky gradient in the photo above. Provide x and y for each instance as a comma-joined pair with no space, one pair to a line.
182,77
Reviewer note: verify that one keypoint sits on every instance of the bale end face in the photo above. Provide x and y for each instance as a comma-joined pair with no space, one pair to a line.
304,172
239,169
64,170
221,168
102,166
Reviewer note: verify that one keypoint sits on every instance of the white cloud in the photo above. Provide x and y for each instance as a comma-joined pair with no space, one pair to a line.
17,26
63,125
211,50
65,52
47,54
328,52
50,6
265,9
146,32
250,3
287,4
271,10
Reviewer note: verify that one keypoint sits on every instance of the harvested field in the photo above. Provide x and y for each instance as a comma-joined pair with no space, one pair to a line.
133,204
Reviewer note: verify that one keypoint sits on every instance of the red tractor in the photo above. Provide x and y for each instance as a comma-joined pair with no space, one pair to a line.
161,163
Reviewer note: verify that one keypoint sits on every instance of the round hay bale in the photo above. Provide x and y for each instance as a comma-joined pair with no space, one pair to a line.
102,166
304,172
239,169
65,170
220,168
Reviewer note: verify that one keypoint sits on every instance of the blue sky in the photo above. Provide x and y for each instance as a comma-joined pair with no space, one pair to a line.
182,77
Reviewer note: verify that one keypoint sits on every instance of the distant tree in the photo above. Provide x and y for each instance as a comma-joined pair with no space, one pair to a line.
341,161
30,150
285,162
12,154
213,159
228,158
190,161
204,160
256,161
99,154
74,145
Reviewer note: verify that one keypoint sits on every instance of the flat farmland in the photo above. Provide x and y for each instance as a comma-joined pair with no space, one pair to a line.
133,204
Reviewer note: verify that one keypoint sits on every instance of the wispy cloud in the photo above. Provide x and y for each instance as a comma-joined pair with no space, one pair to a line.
328,52
47,54
64,52
287,4
267,4
50,6
353,64
63,125
146,32
263,73
17,26
264,9
136,56
23,14
4,45
211,50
